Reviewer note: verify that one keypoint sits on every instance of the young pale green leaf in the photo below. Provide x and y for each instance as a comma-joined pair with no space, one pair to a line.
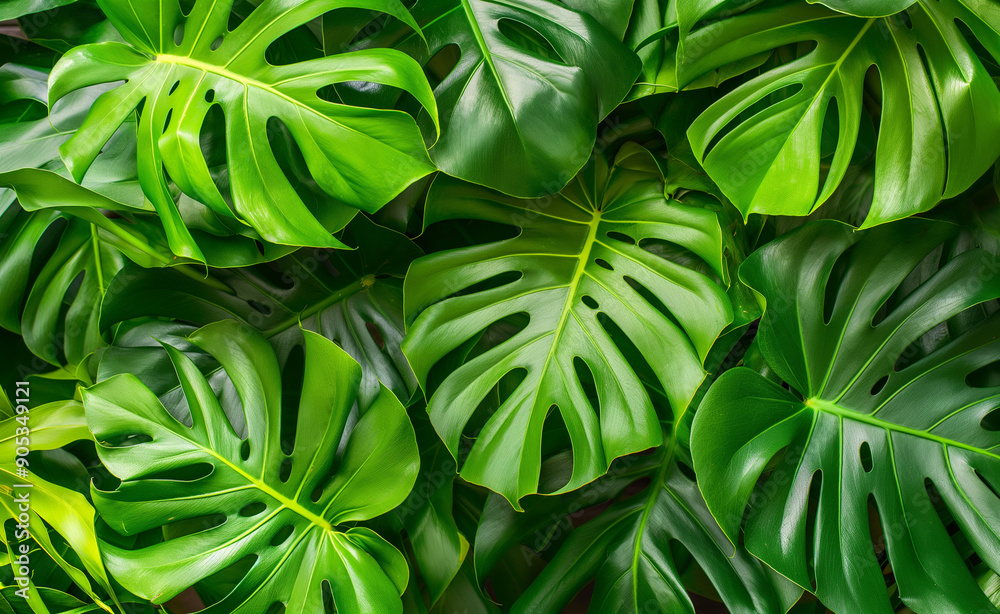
519,110
938,130
178,66
579,271
891,359
66,511
285,496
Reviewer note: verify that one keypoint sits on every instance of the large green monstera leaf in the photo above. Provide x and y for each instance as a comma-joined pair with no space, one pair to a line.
579,271
289,495
767,142
177,67
888,341
520,108
627,549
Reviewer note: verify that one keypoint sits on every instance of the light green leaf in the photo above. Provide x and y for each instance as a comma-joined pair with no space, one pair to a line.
938,129
180,66
288,497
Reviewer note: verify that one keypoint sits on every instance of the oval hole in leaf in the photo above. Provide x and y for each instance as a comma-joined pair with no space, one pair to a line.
282,535
440,66
253,509
879,385
529,39
865,452
991,421
376,335
985,377
624,238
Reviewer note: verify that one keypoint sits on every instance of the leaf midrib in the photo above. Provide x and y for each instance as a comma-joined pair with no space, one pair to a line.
843,413
262,486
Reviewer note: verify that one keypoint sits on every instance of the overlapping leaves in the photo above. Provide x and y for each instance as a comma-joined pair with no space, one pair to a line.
766,142
520,106
591,292
178,66
285,492
888,341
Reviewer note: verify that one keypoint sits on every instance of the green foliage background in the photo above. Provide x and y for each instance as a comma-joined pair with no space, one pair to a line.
480,306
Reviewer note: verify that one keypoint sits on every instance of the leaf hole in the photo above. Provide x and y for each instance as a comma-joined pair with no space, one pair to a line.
585,375
491,283
835,280
375,334
253,509
276,608
442,64
178,39
879,385
260,307
210,95
529,39
604,264
217,43
292,379
589,301
987,376
245,450
865,452
173,88
991,421
282,535
166,121
687,471
190,526
618,236
286,470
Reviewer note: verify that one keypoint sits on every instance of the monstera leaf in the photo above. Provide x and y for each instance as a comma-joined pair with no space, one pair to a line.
591,293
627,549
179,66
520,108
288,493
890,418
764,142
66,511
354,298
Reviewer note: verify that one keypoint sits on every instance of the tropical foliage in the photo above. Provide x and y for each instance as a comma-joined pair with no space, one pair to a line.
499,306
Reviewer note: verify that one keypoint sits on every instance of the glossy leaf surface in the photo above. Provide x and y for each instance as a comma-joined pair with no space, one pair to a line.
288,498
576,265
520,107
888,345
763,141
181,65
